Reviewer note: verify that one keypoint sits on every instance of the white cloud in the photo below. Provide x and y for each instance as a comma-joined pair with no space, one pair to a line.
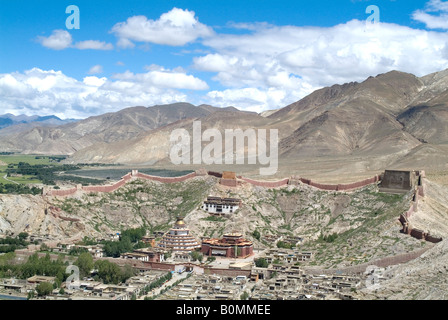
96,69
253,99
58,40
164,78
427,16
94,45
39,91
174,28
296,60
94,81
62,39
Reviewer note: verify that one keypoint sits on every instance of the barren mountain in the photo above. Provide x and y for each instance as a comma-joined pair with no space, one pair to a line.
375,118
107,128
428,121
154,146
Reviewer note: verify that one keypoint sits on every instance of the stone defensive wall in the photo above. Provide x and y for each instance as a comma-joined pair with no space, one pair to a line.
56,212
419,191
111,188
381,263
166,179
341,187
267,184
228,272
61,193
227,182
214,174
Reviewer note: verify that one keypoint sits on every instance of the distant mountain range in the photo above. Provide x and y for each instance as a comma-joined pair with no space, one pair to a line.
394,115
10,123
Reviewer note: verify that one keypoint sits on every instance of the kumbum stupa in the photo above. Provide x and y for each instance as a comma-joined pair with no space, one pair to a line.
178,238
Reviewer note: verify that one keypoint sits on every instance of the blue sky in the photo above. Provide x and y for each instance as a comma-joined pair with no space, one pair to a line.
254,55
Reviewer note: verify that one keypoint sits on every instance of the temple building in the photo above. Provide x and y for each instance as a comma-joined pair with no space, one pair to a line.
179,238
231,246
221,206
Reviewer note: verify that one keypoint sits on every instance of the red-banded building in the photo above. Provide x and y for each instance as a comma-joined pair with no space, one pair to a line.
231,246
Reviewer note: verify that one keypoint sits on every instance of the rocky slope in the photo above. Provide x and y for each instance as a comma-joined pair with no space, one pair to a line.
364,220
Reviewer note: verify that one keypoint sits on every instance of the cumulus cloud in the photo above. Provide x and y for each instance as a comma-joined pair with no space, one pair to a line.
58,40
96,69
297,60
434,16
62,39
254,99
38,91
265,67
174,28
94,45
164,78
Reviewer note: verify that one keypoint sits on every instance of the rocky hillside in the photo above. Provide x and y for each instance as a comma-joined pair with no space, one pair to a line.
342,229
365,221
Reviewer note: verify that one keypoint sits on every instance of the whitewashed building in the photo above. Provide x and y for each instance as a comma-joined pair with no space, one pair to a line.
221,206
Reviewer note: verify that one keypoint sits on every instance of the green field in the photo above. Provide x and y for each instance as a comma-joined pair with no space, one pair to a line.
15,159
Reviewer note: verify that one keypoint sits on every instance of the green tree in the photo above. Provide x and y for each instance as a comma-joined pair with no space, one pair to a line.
44,288
84,263
30,295
244,296
261,263
108,272
23,235
127,273
195,255
256,234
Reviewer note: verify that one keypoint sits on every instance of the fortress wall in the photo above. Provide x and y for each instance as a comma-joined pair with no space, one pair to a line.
359,184
421,190
409,213
417,233
407,228
68,219
166,179
109,188
341,187
433,239
227,272
159,266
382,263
119,184
215,174
266,184
328,187
62,193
